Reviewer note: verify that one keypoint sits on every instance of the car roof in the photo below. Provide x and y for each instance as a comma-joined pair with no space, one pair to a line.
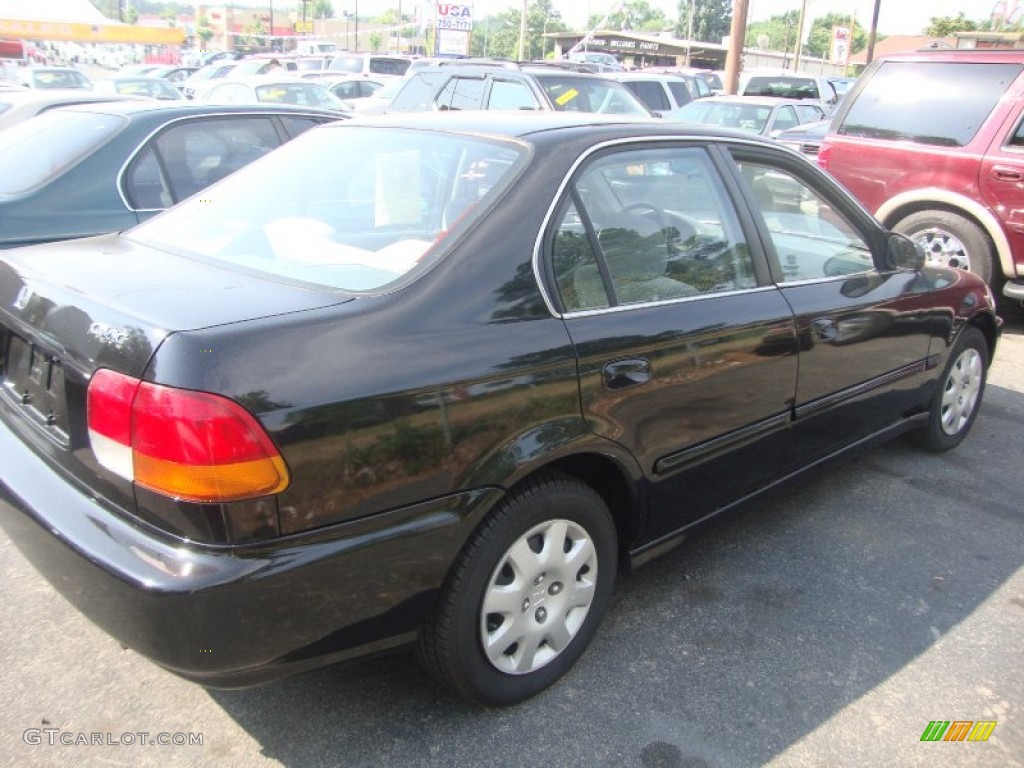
670,77
502,124
961,55
129,107
767,101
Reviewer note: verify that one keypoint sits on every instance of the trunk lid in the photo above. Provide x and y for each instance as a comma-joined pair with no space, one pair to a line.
70,308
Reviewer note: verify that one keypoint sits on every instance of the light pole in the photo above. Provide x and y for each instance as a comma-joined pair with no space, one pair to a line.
522,32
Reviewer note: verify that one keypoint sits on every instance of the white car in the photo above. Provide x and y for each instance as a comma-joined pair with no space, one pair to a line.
273,89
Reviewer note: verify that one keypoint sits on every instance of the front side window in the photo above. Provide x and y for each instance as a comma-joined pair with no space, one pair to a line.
506,94
644,226
811,239
352,208
935,103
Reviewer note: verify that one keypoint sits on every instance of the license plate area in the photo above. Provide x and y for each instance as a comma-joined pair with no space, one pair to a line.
34,383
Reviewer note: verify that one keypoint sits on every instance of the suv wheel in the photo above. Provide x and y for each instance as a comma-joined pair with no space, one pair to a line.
949,240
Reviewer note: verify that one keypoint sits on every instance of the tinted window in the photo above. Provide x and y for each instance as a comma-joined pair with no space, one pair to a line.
928,102
417,94
43,147
651,94
296,125
783,87
583,94
389,66
681,92
462,93
812,241
655,225
510,95
197,153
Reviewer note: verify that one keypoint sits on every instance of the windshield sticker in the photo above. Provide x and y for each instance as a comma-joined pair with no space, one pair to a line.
566,97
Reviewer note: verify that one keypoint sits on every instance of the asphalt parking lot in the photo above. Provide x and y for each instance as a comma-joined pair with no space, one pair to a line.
825,624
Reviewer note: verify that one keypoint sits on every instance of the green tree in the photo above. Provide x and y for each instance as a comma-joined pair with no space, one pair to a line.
203,30
819,41
321,9
712,20
375,41
945,26
498,35
634,15
777,33
131,16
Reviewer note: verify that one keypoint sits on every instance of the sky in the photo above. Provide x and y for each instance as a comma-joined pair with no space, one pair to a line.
896,17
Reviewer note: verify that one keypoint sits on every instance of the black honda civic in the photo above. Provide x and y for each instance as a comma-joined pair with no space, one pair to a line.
435,379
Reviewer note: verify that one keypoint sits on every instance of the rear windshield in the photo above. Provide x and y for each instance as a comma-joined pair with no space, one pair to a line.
937,103
378,65
43,147
353,209
568,93
783,87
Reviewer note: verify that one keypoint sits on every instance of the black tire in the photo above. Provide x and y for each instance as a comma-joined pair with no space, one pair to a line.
542,597
959,394
950,240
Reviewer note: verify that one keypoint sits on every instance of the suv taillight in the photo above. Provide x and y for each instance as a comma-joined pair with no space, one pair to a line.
188,445
823,155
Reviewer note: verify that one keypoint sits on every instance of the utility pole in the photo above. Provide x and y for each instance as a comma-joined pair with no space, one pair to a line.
874,29
734,56
799,37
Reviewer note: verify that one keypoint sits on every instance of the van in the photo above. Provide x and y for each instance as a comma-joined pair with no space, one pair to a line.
315,48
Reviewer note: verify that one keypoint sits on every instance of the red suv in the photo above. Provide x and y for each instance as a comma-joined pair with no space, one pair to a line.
932,143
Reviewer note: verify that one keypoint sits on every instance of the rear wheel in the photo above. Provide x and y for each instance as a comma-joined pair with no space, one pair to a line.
950,240
526,594
958,398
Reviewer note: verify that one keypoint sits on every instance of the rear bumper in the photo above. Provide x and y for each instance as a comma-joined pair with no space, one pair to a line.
229,616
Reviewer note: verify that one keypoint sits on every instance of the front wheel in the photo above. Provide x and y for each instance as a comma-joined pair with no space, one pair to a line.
526,594
958,398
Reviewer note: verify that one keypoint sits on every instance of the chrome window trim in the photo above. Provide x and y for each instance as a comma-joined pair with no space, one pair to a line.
538,246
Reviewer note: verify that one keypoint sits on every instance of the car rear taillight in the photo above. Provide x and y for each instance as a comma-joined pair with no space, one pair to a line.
188,445
824,153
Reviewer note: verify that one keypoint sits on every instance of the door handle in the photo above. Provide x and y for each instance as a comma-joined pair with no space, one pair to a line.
623,374
1007,173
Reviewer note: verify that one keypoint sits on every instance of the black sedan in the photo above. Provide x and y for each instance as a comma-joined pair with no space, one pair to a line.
434,380
104,167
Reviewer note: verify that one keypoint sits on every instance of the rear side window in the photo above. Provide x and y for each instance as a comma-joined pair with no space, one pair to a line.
389,66
417,94
937,103
43,147
651,94
681,91
462,93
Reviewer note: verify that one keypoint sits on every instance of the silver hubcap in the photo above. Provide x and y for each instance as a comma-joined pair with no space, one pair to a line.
941,249
960,394
538,596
